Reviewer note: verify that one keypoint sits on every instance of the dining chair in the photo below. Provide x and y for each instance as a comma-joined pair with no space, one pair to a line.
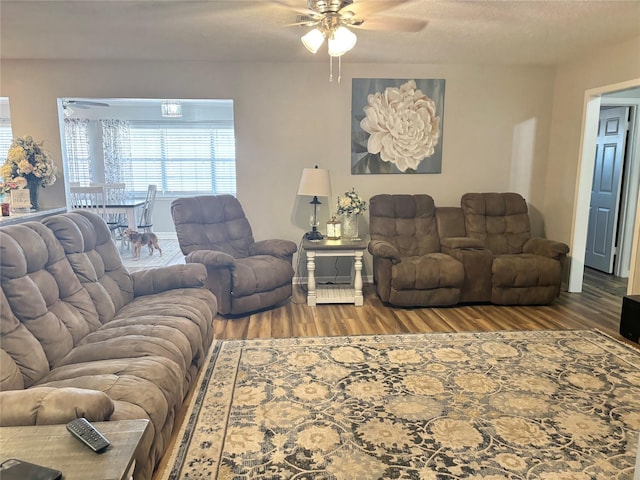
114,193
146,219
88,198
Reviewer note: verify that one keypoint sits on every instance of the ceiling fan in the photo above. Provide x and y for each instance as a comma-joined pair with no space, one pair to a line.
84,104
332,20
348,13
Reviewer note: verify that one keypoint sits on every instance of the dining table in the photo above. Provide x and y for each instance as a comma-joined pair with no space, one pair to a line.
128,206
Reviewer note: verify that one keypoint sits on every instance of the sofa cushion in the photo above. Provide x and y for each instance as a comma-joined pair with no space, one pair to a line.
10,375
50,406
39,288
190,310
131,342
94,259
212,222
450,221
525,279
500,220
435,270
406,221
23,349
122,386
260,273
525,270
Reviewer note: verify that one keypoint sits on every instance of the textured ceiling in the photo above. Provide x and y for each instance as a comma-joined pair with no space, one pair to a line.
474,31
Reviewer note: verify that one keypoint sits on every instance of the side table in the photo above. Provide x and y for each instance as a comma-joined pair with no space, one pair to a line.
335,293
53,446
630,318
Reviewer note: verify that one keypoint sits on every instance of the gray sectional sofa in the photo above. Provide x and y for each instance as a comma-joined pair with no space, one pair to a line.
81,336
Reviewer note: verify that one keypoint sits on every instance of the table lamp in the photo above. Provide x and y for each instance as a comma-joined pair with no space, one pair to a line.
315,182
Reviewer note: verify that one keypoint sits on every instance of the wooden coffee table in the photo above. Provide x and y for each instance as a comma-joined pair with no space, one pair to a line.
335,248
53,446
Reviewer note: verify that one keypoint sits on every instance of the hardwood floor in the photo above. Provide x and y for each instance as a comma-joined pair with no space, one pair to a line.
598,306
593,308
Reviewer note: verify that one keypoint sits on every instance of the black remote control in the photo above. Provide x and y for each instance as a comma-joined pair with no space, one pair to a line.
88,434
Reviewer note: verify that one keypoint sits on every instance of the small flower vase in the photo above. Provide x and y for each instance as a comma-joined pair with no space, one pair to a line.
350,226
34,191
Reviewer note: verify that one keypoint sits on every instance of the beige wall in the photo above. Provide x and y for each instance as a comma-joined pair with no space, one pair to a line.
288,116
608,66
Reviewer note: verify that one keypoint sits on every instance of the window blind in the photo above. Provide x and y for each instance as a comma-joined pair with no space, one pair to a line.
182,158
6,137
78,160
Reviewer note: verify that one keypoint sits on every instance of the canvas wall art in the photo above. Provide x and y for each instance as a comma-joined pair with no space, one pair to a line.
396,125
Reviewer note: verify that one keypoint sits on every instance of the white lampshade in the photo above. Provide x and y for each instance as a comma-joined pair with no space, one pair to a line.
313,40
341,41
315,182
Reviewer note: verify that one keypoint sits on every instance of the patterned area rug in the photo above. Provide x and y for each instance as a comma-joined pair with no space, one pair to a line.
548,405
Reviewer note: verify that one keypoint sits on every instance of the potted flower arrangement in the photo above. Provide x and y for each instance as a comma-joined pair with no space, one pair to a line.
27,165
350,205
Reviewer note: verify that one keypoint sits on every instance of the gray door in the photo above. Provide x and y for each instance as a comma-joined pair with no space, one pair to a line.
605,192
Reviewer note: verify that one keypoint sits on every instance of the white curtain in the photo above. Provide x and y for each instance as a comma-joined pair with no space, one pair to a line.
77,140
116,144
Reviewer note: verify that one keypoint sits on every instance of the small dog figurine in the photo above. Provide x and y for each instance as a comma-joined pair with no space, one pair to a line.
139,239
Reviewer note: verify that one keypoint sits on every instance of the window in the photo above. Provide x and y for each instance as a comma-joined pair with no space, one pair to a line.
182,158
6,137
112,140
77,140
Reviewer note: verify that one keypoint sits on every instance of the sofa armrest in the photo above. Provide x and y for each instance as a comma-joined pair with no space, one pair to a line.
211,258
156,280
461,242
278,248
546,248
382,248
48,406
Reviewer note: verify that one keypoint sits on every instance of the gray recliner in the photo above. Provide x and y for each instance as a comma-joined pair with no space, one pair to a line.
245,275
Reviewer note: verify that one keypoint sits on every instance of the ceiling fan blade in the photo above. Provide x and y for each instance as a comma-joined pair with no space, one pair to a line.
295,8
304,23
87,103
365,9
311,19
390,24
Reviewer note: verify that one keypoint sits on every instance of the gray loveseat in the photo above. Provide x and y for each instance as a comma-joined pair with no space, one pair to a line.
482,251
81,336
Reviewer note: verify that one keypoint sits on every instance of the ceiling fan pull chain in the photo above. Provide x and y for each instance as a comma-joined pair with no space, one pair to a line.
339,69
330,68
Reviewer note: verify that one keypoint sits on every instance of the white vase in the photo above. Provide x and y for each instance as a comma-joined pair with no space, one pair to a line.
350,226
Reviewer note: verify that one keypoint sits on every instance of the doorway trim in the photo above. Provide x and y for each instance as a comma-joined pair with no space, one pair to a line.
582,200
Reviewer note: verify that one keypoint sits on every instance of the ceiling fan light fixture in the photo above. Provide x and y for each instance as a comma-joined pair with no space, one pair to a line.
341,41
171,109
313,40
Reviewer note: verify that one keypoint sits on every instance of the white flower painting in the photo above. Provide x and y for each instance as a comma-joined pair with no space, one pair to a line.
396,126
